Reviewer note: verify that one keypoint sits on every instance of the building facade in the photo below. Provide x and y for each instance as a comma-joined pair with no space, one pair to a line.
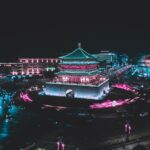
11,68
37,65
143,66
78,76
108,57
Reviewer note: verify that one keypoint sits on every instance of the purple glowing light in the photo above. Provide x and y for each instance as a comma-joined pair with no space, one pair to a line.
25,97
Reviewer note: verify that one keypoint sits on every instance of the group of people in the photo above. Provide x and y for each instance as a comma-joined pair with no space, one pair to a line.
60,144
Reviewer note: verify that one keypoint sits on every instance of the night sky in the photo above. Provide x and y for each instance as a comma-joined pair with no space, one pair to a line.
53,35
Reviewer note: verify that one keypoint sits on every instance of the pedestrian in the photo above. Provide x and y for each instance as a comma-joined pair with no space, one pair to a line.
127,130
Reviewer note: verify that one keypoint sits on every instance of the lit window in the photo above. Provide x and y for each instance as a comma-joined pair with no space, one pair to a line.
87,79
32,71
84,79
37,71
65,79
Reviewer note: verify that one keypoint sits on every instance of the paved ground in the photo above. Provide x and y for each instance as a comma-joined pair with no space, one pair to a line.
44,128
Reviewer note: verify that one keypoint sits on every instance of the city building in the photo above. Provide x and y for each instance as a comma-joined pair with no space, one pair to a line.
11,68
29,66
107,58
37,65
124,59
143,66
78,76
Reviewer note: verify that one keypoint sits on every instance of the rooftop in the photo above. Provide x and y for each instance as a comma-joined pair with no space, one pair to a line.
78,53
70,72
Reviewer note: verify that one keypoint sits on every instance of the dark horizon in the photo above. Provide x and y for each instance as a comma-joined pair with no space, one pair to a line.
57,41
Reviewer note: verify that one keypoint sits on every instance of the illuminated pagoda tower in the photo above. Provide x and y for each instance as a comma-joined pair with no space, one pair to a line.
78,77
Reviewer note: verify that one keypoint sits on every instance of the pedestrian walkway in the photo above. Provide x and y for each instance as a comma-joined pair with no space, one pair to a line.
145,144
114,143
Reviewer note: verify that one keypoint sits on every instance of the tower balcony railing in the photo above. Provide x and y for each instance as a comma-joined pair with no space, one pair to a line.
93,83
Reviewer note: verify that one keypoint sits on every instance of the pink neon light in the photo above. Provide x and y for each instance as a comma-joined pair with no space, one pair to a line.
109,104
58,108
123,86
78,67
14,73
25,97
96,79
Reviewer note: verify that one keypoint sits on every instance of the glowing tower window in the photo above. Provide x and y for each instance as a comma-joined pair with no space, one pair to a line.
65,78
84,79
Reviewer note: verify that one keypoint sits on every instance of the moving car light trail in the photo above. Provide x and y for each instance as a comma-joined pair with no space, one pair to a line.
124,87
114,103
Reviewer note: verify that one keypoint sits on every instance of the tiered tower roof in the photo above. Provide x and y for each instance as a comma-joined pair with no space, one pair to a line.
78,53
